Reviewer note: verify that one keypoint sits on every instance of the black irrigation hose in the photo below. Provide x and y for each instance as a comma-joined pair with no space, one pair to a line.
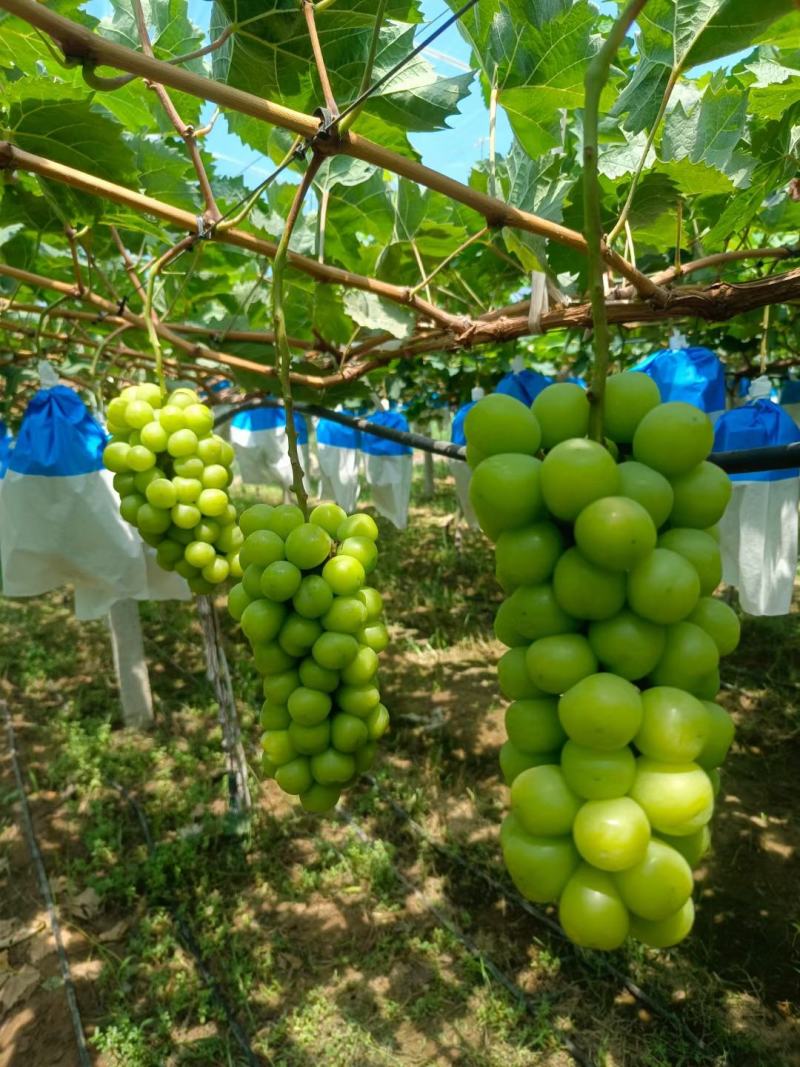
511,895
580,1057
188,940
741,461
403,437
645,999
44,889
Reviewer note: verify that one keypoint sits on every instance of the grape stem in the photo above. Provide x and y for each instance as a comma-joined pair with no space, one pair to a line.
597,249
150,316
284,352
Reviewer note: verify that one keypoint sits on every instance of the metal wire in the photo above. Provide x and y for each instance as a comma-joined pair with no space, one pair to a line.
580,1057
743,461
44,889
187,938
359,100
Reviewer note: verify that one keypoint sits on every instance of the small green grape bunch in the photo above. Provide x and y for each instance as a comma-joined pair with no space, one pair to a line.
316,628
172,472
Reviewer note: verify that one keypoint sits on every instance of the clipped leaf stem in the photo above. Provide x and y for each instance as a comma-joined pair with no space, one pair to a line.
284,352
150,317
626,207
183,129
319,59
596,247
366,74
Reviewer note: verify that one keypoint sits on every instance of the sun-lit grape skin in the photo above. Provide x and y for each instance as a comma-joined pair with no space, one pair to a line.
606,587
316,629
672,438
499,418
591,910
183,470
505,492
563,412
628,398
575,473
663,587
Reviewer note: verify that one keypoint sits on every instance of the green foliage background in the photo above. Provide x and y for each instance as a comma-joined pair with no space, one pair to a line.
726,149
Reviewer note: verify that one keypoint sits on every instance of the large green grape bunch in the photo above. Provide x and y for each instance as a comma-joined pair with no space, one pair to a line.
608,556
316,628
172,472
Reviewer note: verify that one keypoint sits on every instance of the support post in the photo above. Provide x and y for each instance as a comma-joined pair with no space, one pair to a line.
130,665
428,482
239,790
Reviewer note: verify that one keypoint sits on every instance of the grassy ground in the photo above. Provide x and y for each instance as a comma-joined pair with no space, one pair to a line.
364,944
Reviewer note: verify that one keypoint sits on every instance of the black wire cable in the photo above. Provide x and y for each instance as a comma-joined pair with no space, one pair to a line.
511,895
403,437
188,939
44,889
523,1000
359,100
741,461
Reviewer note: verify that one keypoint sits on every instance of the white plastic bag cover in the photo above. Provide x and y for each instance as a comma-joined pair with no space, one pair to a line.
389,468
758,532
462,475
262,450
60,516
694,375
338,456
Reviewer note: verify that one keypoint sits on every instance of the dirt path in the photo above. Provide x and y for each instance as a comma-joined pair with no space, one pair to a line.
36,1028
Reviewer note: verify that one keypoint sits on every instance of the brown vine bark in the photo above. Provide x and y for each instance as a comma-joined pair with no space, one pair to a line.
81,45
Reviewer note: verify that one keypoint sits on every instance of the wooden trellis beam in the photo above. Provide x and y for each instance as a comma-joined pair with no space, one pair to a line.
81,45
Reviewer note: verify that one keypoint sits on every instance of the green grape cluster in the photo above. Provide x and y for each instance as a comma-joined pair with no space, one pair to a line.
316,629
171,472
608,556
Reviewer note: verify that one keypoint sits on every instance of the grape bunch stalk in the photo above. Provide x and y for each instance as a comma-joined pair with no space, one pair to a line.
316,628
608,556
171,472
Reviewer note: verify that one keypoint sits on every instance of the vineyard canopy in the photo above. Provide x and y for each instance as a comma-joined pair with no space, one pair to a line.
107,186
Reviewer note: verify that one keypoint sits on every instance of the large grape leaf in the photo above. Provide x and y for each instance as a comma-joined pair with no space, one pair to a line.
43,119
775,146
641,98
171,33
271,55
683,33
618,158
537,55
375,313
676,35
166,173
22,47
536,185
169,27
775,89
708,131
416,98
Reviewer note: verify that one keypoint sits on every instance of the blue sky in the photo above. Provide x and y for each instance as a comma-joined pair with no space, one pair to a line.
452,151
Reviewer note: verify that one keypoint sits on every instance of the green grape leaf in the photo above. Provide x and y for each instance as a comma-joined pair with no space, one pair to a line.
68,130
776,88
707,130
375,313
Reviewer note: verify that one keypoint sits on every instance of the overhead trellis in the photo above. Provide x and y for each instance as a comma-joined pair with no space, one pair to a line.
116,230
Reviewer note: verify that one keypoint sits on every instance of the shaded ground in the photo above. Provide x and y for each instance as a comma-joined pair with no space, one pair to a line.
323,942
